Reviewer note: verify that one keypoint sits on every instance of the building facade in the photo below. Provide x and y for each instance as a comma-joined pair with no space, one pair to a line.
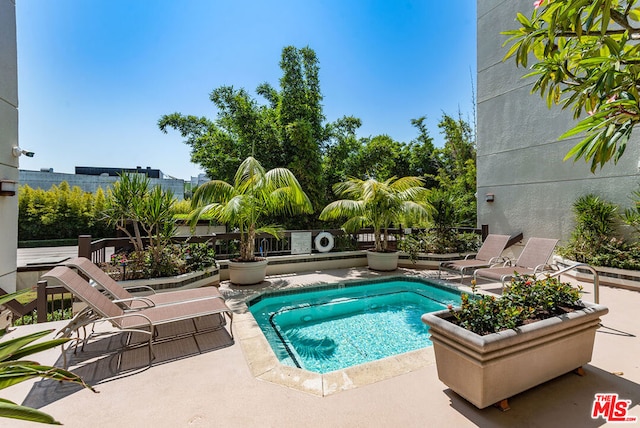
523,183
8,140
89,179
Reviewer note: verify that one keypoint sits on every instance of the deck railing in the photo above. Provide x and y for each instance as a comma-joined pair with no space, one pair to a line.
226,245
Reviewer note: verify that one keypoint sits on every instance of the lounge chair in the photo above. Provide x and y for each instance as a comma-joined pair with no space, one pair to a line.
143,320
532,261
488,254
90,270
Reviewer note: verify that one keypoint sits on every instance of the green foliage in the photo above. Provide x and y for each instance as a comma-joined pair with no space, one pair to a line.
430,241
457,168
524,300
55,315
254,195
595,226
617,253
346,242
287,132
378,204
181,207
586,56
594,239
133,208
631,215
60,213
14,369
175,259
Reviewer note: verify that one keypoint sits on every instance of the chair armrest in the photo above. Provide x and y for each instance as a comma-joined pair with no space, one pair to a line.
132,314
545,268
147,302
135,287
468,256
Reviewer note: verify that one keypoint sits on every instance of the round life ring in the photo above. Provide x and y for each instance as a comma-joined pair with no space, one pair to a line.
324,248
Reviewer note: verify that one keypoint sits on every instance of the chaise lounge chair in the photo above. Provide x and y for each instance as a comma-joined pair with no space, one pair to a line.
488,254
128,300
143,320
533,260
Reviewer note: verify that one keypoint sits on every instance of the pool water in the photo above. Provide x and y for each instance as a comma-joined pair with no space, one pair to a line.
330,328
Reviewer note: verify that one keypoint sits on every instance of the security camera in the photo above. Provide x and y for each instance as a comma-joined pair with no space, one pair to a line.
17,151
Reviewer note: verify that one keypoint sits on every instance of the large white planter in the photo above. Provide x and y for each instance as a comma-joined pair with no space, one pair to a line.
382,261
488,369
247,273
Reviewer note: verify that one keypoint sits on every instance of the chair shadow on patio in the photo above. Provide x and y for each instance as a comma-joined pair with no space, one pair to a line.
104,359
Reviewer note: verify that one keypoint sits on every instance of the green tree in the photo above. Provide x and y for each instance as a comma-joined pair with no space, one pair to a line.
286,132
123,207
341,148
457,172
586,58
421,154
378,204
61,212
254,195
379,157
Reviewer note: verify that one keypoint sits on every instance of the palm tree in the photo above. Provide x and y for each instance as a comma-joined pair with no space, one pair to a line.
254,194
378,204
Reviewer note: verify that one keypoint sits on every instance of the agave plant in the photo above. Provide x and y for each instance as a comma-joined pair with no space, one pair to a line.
255,193
14,369
378,204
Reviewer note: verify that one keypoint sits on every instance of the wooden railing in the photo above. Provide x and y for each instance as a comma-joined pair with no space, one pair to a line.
226,247
42,305
226,244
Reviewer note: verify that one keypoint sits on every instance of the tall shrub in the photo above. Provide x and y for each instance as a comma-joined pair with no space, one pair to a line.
62,212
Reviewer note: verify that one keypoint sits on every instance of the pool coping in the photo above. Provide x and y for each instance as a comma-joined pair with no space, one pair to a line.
264,364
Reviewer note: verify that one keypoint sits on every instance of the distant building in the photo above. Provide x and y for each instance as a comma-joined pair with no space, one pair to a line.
114,172
89,178
200,179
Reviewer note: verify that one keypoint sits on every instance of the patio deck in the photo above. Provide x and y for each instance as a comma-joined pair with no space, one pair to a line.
201,383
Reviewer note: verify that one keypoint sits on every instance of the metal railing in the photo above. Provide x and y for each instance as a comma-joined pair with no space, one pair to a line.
596,277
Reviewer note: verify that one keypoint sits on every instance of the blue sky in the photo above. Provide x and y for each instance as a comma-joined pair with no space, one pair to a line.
95,76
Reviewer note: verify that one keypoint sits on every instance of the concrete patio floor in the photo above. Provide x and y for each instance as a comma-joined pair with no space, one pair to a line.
211,385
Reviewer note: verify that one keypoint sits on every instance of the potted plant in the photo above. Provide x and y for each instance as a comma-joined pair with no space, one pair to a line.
492,348
378,204
255,193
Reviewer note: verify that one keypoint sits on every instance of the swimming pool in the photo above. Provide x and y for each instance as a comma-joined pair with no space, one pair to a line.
323,329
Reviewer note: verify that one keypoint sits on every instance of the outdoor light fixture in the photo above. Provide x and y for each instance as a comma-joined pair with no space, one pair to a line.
489,197
8,187
17,151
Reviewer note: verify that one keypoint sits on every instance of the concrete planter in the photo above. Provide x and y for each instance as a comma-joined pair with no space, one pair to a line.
614,277
200,278
427,260
382,261
247,273
488,369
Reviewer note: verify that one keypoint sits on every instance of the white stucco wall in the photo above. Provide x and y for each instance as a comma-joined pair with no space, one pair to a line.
8,139
519,156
